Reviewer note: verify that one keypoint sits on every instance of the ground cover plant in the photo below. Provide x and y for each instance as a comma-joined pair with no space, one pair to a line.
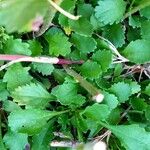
75,74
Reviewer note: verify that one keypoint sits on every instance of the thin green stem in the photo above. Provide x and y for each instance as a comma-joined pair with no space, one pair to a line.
133,1
62,11
137,8
84,83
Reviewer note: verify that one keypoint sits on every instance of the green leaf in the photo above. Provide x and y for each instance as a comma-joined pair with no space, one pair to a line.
41,141
132,136
110,11
121,90
133,34
145,30
32,95
67,94
69,6
77,55
91,69
118,69
10,106
16,46
134,21
30,121
138,104
22,22
147,113
81,26
114,116
83,44
97,112
3,91
85,10
17,75
115,33
110,100
58,44
138,51
15,141
147,90
135,87
35,47
96,23
104,58
145,12
45,69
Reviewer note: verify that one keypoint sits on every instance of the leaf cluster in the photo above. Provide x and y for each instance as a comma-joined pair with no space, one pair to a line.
112,38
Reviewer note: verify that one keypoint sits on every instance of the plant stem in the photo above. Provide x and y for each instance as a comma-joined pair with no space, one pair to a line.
20,58
96,93
65,13
137,8
113,49
70,144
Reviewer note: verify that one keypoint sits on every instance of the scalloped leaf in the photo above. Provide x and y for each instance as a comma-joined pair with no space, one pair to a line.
115,33
138,51
84,44
32,95
110,11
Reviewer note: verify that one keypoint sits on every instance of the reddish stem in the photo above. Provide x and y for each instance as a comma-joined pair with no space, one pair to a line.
64,61
11,57
30,59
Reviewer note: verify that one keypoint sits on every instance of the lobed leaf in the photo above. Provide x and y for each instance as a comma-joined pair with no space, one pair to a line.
32,95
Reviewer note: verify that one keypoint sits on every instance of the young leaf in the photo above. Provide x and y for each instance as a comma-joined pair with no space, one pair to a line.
35,47
117,89
10,106
145,12
147,90
104,58
81,26
132,136
97,112
14,140
138,51
3,91
110,100
58,44
32,95
96,23
134,21
67,94
135,87
17,75
45,69
145,30
41,140
110,11
30,121
116,34
22,22
138,104
16,46
91,69
83,44
85,10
